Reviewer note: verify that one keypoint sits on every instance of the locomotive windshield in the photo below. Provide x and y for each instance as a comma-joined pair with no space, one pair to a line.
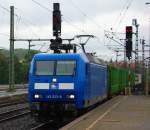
55,68
44,67
65,68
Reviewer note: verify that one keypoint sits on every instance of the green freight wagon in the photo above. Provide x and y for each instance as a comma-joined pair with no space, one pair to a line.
113,82
119,78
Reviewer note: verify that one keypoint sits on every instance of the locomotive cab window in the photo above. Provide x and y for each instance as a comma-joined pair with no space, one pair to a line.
44,68
65,68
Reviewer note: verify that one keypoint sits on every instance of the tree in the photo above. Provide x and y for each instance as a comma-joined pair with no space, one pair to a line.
26,64
21,65
4,69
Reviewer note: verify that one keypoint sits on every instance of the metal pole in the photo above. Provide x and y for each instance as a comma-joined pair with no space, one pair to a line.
134,22
148,68
29,46
143,66
147,81
117,56
125,62
129,78
143,55
11,59
136,48
148,71
149,46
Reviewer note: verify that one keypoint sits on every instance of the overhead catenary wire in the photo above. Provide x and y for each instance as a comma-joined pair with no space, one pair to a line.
111,38
27,19
4,34
27,23
17,25
124,13
42,6
84,14
19,18
113,34
99,26
118,22
41,47
7,10
66,19
120,13
91,20
49,10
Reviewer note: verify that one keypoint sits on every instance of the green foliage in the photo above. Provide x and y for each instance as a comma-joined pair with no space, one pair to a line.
22,61
26,64
3,69
28,56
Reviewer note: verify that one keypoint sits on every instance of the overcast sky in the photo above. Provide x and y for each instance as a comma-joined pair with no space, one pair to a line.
78,17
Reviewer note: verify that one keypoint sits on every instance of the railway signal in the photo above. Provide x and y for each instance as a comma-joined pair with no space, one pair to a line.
129,42
56,20
57,44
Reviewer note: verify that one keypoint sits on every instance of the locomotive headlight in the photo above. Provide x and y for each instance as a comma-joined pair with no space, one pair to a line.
71,96
36,96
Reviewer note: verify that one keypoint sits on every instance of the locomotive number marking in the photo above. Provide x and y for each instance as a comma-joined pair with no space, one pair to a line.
54,96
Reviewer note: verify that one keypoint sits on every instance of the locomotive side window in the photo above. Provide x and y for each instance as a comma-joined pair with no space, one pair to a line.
65,67
44,68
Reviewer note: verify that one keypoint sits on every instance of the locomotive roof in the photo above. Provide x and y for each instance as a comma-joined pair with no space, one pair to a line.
94,59
61,56
87,57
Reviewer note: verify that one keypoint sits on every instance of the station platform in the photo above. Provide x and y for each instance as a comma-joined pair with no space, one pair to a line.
119,113
17,86
17,92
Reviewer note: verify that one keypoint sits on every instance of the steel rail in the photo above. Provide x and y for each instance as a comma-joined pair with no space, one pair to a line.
13,111
15,116
12,103
40,126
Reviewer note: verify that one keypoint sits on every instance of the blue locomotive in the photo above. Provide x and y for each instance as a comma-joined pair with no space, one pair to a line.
61,83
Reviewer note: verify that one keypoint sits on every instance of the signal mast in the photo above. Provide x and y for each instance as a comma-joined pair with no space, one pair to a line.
56,44
128,42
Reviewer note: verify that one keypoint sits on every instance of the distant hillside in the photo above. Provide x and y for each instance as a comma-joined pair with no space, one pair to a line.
5,52
20,53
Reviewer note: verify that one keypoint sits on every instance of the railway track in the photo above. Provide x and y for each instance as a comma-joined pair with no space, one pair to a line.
13,114
41,126
52,125
12,100
5,104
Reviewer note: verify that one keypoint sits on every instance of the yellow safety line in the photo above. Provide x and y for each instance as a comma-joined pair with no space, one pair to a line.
102,116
